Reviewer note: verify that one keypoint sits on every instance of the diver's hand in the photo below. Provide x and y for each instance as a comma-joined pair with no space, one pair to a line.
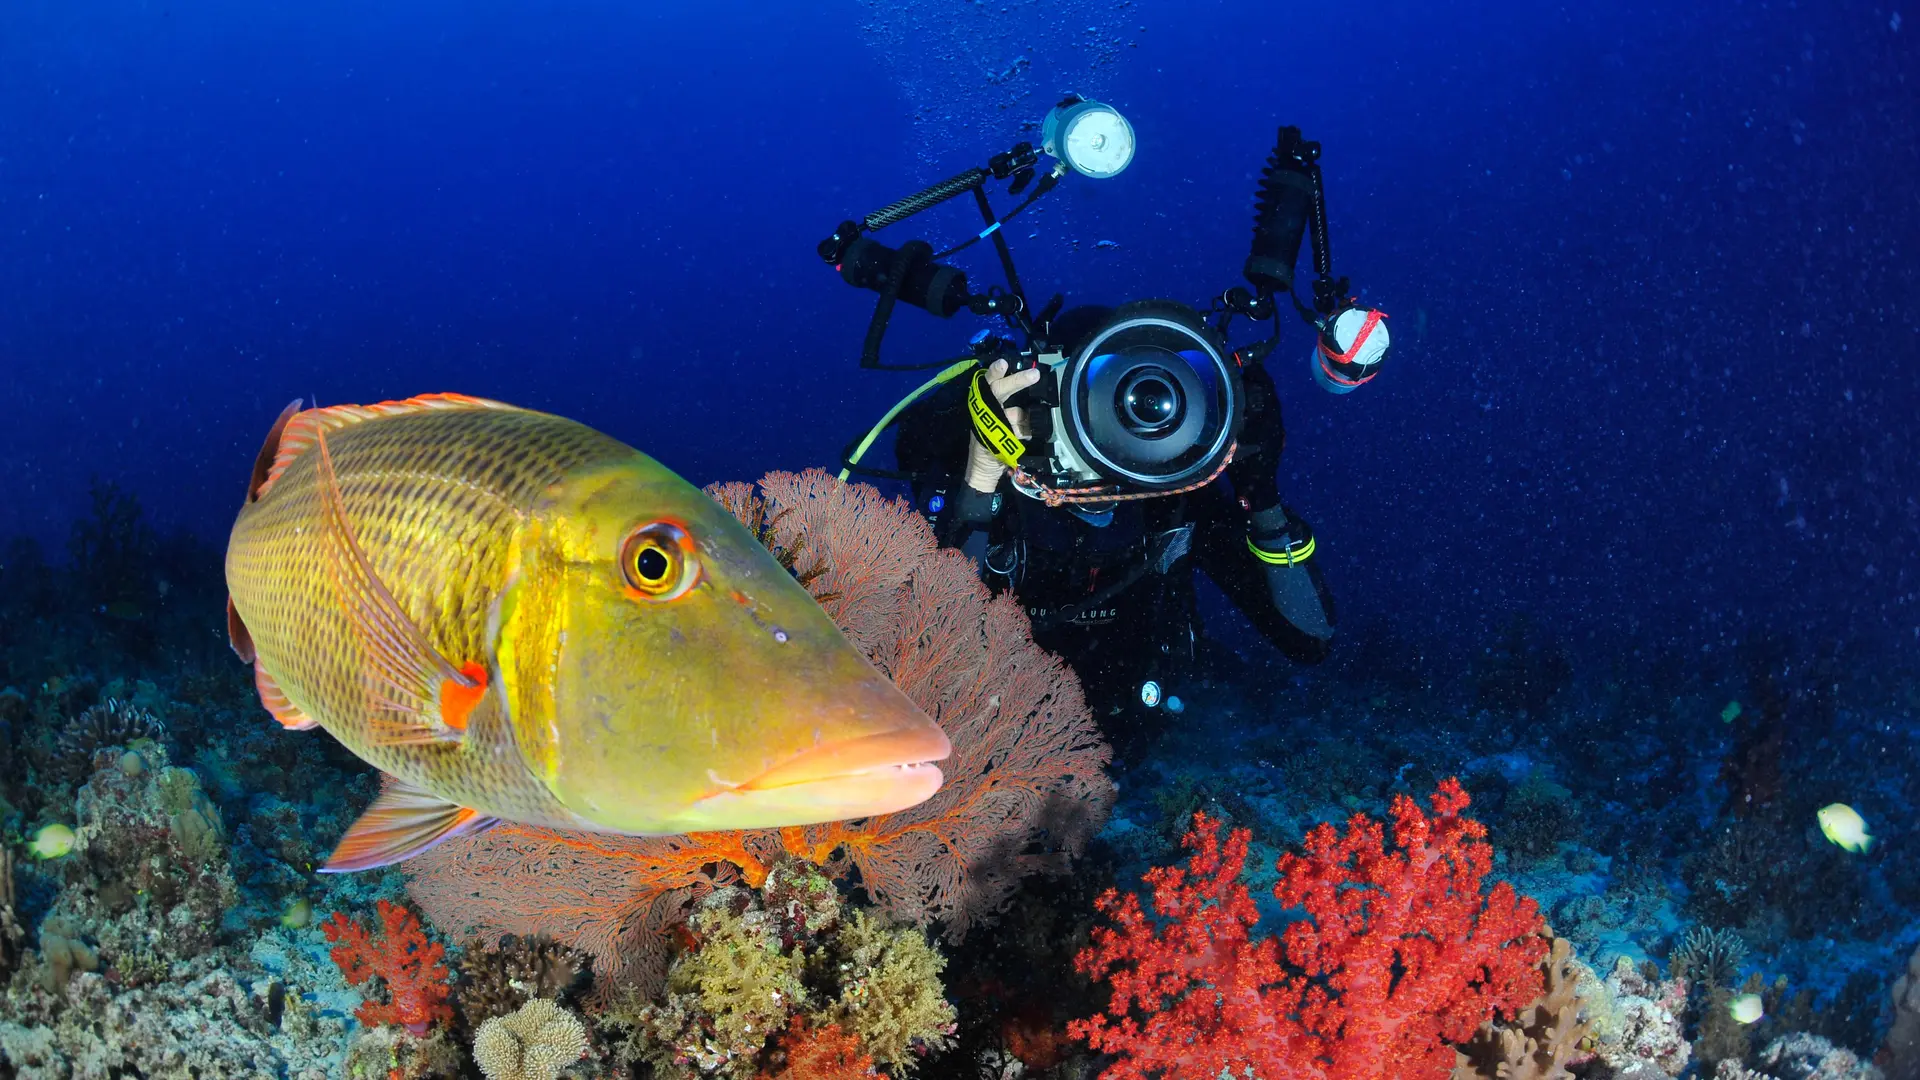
983,469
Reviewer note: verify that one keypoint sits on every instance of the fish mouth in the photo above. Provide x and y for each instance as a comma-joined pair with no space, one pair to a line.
860,777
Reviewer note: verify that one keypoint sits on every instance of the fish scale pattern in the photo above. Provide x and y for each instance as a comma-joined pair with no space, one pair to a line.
455,479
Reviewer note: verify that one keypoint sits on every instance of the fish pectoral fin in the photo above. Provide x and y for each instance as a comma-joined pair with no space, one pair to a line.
238,636
403,822
275,701
414,694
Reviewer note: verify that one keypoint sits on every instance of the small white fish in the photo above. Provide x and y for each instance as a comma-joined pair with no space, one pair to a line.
1845,827
1746,1008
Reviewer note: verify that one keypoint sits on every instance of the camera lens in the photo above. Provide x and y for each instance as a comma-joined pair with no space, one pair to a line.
1149,401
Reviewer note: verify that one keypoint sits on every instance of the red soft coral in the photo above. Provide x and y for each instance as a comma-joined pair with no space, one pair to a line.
823,1053
1401,954
404,958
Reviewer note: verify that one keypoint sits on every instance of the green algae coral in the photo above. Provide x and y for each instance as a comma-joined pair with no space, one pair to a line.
890,993
761,963
725,997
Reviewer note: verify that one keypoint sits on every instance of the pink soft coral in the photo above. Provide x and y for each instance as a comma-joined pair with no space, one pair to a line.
404,958
1401,954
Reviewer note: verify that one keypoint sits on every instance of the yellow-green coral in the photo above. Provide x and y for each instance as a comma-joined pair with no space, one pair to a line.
763,960
890,992
726,997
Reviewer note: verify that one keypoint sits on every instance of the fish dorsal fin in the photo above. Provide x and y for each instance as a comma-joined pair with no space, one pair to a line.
269,450
403,822
275,701
296,435
414,695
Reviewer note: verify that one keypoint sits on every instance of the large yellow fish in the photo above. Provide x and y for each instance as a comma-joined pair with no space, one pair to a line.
518,618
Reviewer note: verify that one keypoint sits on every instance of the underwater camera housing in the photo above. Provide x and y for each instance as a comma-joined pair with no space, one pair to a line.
1149,401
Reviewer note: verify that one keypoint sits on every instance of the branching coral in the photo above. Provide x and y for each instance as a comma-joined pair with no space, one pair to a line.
498,977
1401,954
1025,786
403,958
1708,956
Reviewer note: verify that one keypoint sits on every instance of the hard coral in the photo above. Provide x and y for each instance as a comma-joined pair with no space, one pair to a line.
536,1043
497,978
111,723
404,958
1401,954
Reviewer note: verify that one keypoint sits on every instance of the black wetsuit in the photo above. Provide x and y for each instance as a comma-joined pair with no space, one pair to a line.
1117,601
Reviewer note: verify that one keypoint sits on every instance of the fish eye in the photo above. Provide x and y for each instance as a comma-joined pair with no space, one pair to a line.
657,562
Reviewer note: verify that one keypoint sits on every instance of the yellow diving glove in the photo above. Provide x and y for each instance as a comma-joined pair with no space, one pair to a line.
985,467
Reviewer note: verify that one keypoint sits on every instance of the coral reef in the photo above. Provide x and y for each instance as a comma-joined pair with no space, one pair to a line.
1025,787
208,1026
12,936
1536,817
403,958
1544,1038
1900,1056
1401,954
1801,1057
498,977
110,723
809,1053
1708,957
1638,1024
537,1042
791,954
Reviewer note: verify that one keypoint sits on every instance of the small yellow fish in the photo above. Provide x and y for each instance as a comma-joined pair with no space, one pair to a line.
1845,827
51,842
1746,1009
298,914
518,618
1731,713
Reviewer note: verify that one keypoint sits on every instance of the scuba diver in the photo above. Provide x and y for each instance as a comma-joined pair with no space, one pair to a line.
1095,467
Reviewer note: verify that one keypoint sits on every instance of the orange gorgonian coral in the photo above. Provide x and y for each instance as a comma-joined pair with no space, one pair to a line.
1026,785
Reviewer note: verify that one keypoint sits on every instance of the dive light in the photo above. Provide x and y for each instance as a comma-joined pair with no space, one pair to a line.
1088,137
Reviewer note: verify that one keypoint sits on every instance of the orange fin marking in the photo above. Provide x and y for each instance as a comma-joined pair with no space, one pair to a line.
457,701
238,635
405,677
270,451
275,701
403,822
304,429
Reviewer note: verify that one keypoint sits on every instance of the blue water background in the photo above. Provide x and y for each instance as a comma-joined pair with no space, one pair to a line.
1651,267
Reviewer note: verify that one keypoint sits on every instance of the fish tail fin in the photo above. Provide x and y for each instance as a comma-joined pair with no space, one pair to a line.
403,822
